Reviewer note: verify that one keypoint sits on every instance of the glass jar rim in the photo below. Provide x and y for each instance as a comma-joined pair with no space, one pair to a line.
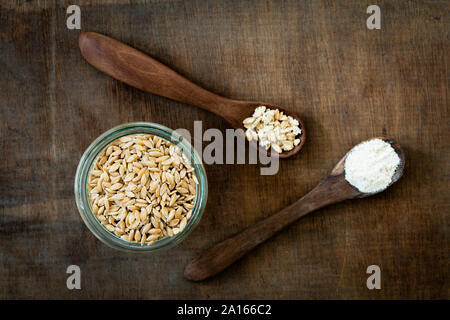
99,144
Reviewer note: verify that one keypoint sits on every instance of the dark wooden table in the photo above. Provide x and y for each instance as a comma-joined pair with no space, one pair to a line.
316,58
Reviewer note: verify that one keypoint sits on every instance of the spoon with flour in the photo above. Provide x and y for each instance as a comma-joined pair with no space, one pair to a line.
137,69
367,169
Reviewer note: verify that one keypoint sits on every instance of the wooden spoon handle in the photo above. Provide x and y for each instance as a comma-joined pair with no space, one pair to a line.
225,253
137,69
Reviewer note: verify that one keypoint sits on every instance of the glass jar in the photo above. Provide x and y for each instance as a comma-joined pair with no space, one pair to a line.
87,160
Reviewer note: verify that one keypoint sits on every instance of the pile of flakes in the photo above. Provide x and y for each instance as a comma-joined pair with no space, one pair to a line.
272,129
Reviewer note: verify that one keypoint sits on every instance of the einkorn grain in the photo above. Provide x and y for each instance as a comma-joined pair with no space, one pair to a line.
142,188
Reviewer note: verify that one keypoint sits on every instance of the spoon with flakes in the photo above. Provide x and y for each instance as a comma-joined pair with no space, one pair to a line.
387,160
137,69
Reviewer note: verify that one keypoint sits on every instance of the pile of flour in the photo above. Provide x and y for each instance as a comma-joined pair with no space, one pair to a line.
370,165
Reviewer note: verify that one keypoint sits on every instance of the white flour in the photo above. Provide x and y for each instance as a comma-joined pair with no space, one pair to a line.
370,165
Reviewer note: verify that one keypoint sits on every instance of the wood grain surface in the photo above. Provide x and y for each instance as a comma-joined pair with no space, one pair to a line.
316,58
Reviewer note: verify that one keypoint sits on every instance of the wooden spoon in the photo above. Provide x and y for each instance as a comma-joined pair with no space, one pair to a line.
137,69
332,189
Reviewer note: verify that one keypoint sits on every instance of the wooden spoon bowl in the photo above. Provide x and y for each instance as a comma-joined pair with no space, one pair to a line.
339,168
333,189
137,69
